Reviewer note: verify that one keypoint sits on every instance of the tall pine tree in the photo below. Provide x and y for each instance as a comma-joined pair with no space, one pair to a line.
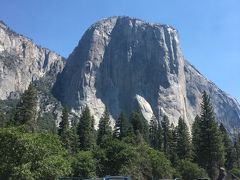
26,110
122,126
230,153
172,154
85,130
104,128
67,135
166,135
195,138
183,140
140,126
64,124
209,144
160,137
153,133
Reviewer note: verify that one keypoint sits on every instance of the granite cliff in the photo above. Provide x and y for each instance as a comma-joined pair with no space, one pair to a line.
124,63
22,62
121,63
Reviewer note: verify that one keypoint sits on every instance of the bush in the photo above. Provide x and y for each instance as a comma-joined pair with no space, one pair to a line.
31,155
148,163
84,165
189,170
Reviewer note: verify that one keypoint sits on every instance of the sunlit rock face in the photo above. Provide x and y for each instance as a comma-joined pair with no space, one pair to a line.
22,62
126,64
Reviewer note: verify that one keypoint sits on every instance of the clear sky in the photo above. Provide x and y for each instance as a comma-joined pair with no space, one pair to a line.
209,29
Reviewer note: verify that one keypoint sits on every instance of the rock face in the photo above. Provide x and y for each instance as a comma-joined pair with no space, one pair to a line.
123,63
22,62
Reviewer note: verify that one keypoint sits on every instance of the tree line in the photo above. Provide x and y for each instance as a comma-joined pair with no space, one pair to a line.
153,150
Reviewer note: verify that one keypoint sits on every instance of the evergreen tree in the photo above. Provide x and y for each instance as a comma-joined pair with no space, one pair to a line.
104,128
160,137
166,135
26,110
121,127
139,125
236,141
85,130
2,119
172,154
116,131
210,145
67,135
183,140
196,137
230,154
64,124
153,133
73,140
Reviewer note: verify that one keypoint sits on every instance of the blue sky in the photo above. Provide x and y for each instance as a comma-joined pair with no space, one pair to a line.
209,29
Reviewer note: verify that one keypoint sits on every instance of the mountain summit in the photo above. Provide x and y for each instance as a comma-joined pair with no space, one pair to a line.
123,64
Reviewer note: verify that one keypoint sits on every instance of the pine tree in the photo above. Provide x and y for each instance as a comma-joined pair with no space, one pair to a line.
230,154
172,154
26,110
73,140
196,138
210,145
2,119
236,141
64,124
183,140
139,125
85,130
121,127
104,128
160,137
153,133
67,135
166,135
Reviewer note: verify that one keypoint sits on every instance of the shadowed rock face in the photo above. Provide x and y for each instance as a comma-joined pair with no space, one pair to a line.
21,62
123,63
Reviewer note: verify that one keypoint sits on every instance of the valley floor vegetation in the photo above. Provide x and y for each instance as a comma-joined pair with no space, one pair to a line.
136,148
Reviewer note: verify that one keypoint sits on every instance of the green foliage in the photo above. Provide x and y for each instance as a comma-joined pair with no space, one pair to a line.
236,141
104,128
160,137
172,153
196,138
25,155
84,165
148,164
122,127
139,125
26,110
161,167
209,144
113,156
85,130
31,156
167,136
153,133
68,135
189,170
183,140
230,152
6,111
46,123
70,140
236,172
3,120
64,124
